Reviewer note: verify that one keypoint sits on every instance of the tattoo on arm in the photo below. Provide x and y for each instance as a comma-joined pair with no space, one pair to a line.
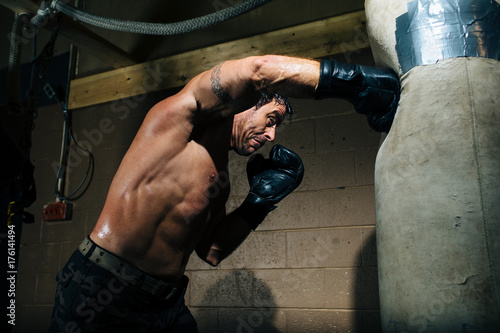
217,88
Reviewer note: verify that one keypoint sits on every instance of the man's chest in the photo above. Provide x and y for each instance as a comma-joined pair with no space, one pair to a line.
205,176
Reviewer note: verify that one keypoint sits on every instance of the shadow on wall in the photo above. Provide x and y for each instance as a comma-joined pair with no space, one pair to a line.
244,304
319,300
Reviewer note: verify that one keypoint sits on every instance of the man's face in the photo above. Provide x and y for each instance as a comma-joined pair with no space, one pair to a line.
254,127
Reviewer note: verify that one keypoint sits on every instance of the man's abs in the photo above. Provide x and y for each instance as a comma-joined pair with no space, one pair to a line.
158,208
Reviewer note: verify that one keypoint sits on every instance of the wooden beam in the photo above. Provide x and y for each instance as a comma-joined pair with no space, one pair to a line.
336,35
78,35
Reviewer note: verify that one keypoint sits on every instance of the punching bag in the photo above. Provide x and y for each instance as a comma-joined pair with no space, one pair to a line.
437,173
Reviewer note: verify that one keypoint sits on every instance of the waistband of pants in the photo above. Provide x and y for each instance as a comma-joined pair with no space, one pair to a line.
124,270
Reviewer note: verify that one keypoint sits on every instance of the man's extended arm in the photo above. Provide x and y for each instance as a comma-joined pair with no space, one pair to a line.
234,86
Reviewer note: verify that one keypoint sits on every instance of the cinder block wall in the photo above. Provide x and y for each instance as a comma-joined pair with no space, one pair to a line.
310,267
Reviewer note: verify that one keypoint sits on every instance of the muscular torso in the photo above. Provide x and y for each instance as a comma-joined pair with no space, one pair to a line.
161,203
168,192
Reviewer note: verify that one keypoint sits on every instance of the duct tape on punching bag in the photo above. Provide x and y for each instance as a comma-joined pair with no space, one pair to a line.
433,30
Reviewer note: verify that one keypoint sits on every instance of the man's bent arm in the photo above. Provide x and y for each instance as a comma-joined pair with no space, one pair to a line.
270,181
225,238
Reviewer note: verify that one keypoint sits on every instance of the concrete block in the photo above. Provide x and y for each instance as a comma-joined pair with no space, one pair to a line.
344,132
259,250
260,288
221,288
324,248
47,143
351,288
238,175
365,166
305,321
369,249
107,131
25,288
60,231
329,171
206,319
50,118
265,320
324,208
311,109
45,289
289,288
321,171
39,258
292,213
31,232
107,162
133,106
347,207
298,136
131,109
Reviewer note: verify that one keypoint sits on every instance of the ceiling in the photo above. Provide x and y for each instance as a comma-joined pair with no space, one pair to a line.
274,15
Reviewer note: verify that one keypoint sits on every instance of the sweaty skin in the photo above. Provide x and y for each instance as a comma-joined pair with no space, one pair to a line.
168,196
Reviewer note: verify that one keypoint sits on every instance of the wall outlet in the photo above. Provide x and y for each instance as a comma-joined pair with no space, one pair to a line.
58,211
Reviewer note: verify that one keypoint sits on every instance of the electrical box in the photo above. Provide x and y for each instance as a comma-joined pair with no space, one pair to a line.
58,211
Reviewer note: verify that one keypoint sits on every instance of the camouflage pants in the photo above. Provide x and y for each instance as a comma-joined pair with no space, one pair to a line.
92,299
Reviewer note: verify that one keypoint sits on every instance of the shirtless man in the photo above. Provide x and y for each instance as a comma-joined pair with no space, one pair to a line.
129,274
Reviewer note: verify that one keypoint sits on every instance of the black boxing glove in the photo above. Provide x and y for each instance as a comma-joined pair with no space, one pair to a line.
270,181
373,91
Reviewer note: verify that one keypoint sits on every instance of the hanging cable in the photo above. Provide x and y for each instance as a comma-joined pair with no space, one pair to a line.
68,132
67,137
161,29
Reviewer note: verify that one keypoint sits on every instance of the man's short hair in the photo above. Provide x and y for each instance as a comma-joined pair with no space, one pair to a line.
267,97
